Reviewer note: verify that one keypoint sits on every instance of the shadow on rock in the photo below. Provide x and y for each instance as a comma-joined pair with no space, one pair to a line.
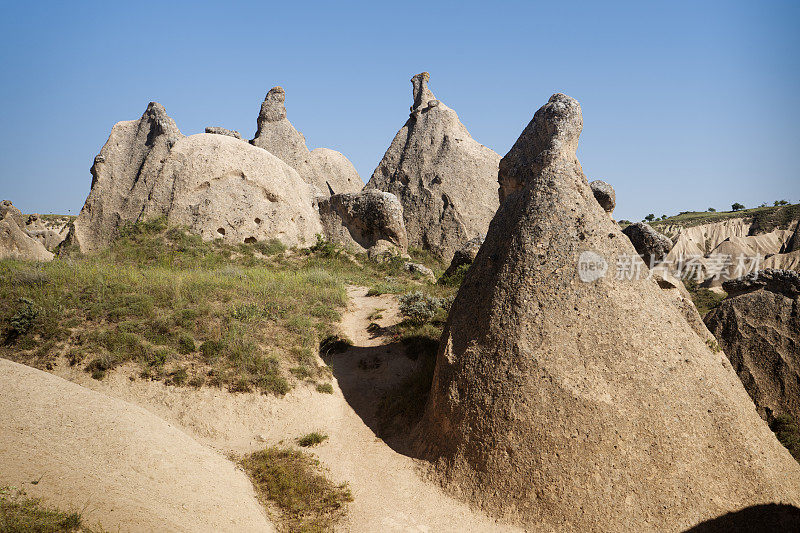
756,519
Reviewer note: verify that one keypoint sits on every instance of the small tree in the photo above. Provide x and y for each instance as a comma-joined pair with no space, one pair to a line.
712,210
781,202
737,207
650,217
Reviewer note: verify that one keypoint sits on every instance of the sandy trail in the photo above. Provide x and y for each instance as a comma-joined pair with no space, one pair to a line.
117,463
390,494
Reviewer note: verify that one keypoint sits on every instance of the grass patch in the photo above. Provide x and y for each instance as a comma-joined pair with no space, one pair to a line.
291,480
787,429
325,388
19,513
704,299
312,439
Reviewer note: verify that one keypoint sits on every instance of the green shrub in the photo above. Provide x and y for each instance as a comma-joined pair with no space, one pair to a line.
456,278
23,319
325,388
419,307
312,439
185,344
787,429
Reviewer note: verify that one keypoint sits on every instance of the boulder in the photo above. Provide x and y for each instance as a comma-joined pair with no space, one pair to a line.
422,270
464,255
567,402
215,185
650,244
223,131
221,188
758,327
328,170
445,180
15,243
363,220
604,194
7,208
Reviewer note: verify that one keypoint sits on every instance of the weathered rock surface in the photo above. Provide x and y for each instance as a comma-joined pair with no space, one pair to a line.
445,180
793,243
675,291
7,208
123,174
324,168
15,242
217,130
364,220
222,188
650,244
604,194
759,329
36,228
219,187
465,255
585,406
422,270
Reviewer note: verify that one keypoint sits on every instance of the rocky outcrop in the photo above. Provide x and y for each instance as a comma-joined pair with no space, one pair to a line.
650,244
36,228
792,244
15,242
326,169
572,405
444,179
759,329
214,184
364,221
604,194
8,209
223,131
464,255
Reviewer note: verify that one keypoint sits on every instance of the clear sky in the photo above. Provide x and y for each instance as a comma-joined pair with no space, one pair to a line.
686,105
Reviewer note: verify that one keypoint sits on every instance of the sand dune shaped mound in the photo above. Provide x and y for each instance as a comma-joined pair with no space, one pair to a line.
118,463
573,405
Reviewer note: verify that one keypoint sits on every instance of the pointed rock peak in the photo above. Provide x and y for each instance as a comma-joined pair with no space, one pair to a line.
551,135
156,115
422,95
273,108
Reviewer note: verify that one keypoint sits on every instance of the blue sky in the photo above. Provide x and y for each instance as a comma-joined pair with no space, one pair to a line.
687,105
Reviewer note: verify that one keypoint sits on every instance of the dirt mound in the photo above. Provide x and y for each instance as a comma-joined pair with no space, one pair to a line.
118,463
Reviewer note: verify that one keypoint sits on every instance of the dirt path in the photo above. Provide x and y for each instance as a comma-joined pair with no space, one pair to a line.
390,495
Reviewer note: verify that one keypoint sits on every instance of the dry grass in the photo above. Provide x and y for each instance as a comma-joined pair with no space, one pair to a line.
19,513
290,480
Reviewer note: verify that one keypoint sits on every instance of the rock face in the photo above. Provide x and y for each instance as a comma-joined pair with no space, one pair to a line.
216,185
15,242
7,208
604,194
223,131
444,179
328,170
36,228
573,405
793,243
465,255
758,328
650,244
364,220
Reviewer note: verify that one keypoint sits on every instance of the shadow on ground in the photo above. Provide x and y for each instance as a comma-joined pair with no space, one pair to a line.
768,518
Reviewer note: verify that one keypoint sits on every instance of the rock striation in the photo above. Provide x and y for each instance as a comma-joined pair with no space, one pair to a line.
370,221
444,179
758,328
214,184
326,169
571,405
650,244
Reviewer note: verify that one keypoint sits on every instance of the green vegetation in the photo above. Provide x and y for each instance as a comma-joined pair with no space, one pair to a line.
306,500
312,439
774,216
248,317
704,299
325,388
737,207
19,513
787,429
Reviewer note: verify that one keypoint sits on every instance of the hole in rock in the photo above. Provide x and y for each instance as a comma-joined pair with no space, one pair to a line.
221,231
250,240
257,220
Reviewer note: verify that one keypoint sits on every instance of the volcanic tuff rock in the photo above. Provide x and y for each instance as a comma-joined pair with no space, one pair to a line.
15,242
217,186
793,243
604,194
223,131
650,244
585,406
324,168
6,208
444,179
465,255
364,220
759,330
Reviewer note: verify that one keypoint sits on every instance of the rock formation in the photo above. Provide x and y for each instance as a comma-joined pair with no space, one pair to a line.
36,228
573,405
15,241
464,255
759,329
223,131
369,221
650,244
604,194
324,168
219,187
444,179
793,243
